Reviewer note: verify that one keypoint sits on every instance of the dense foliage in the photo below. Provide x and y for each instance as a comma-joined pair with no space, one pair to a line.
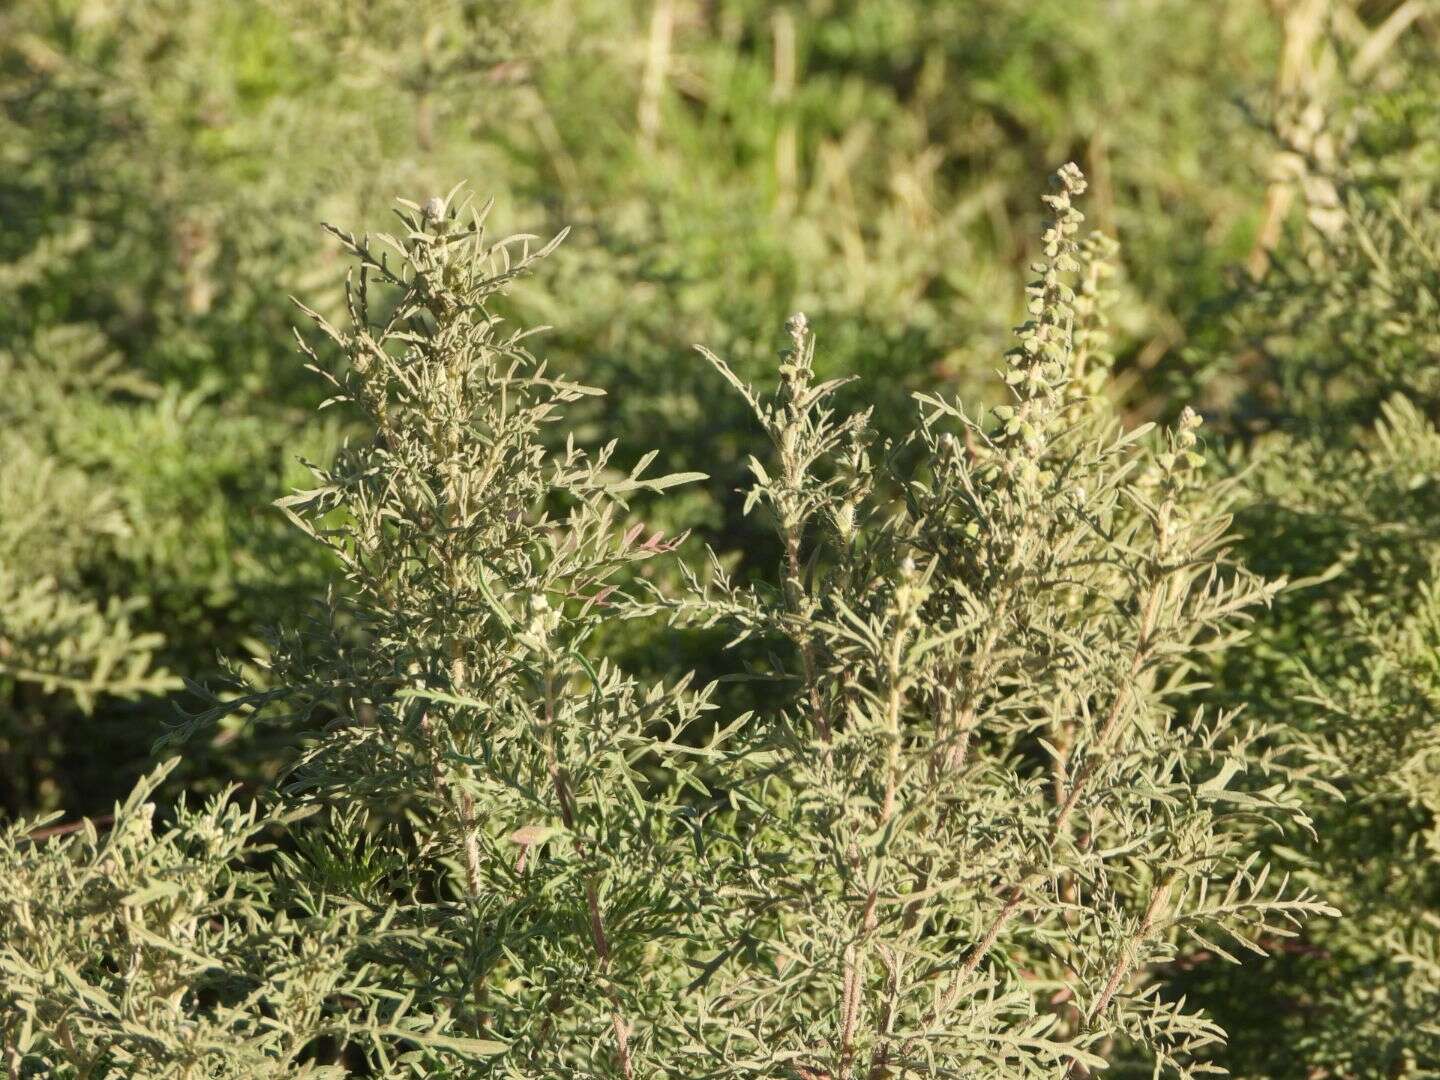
943,725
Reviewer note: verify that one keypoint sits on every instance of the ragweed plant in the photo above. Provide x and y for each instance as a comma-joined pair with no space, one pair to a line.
520,792
63,651
1341,474
150,949
975,833
983,825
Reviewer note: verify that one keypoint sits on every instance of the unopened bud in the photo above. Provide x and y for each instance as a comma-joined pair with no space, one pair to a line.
434,208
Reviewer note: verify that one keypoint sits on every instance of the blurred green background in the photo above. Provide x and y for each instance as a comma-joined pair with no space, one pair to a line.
165,165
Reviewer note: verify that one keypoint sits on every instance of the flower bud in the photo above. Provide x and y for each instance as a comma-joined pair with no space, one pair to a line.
797,326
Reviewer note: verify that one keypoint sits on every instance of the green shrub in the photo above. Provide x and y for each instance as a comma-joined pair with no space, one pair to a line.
986,823
1013,719
967,836
1333,361
150,949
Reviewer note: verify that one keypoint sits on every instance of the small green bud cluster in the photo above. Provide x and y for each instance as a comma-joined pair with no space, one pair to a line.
1039,366
1090,367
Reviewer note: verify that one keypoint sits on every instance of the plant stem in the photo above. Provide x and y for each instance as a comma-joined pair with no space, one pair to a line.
1125,963
793,592
561,782
1014,896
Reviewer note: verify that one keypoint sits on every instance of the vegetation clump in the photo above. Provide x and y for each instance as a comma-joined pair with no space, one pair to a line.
590,707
